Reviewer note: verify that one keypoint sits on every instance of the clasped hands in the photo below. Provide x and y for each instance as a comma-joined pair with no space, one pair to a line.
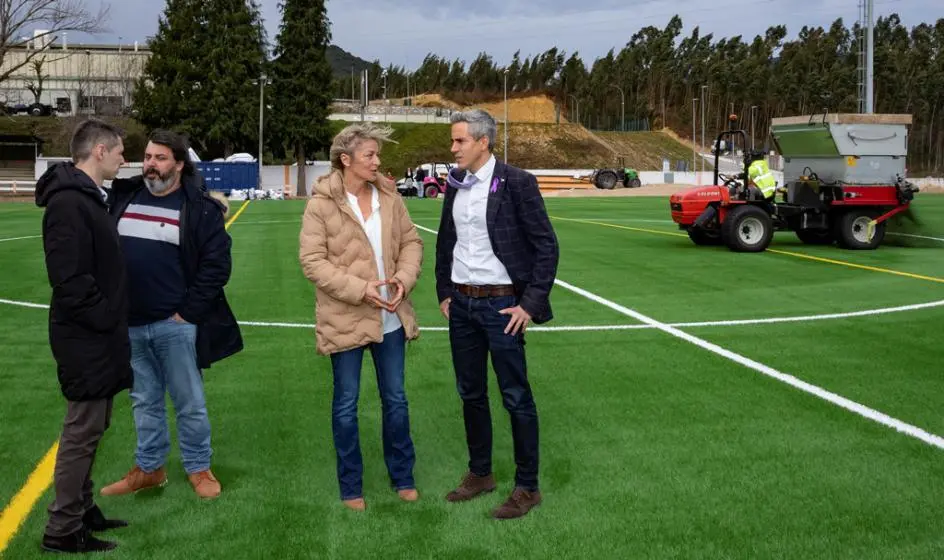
373,297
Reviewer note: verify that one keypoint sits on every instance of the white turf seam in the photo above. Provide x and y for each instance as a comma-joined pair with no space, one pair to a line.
828,396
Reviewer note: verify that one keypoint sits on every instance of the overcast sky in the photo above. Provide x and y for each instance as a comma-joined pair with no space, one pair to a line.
402,32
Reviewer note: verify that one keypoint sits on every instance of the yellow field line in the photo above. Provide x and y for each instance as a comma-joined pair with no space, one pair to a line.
859,266
37,483
238,212
777,251
13,516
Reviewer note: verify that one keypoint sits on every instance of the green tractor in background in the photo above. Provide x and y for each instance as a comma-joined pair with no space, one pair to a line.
608,179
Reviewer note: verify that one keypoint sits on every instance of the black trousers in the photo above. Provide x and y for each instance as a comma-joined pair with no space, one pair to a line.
476,329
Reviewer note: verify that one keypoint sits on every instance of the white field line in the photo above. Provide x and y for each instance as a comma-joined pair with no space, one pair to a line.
597,328
914,236
838,400
19,238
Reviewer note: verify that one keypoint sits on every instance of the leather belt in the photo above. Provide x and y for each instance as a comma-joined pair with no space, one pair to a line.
485,291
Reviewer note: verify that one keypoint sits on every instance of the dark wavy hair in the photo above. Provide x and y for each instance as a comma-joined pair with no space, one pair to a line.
178,146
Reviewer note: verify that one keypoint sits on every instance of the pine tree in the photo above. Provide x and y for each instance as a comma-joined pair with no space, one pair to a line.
235,59
301,82
198,79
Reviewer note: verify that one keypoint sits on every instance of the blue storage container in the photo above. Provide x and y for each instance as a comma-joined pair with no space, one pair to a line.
230,175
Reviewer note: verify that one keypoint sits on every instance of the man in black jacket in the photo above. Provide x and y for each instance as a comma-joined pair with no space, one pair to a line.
496,259
88,329
178,259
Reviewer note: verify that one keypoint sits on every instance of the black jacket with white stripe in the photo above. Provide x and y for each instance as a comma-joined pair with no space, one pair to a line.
205,255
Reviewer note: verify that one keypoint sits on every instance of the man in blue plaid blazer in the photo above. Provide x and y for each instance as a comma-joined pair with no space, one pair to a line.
496,259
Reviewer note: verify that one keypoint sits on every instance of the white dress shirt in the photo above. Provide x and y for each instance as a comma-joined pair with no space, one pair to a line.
473,261
374,231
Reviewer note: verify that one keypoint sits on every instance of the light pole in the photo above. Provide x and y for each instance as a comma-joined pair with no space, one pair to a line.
506,115
703,88
753,110
622,108
870,57
384,76
263,82
694,135
577,105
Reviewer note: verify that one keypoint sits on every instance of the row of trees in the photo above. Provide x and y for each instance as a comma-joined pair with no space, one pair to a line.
203,78
660,72
208,56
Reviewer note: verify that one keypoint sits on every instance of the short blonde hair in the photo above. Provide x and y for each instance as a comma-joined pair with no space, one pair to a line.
352,136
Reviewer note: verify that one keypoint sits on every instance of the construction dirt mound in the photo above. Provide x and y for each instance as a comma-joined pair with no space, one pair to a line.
533,109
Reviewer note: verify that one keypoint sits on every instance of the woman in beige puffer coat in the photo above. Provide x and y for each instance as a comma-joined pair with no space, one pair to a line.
364,255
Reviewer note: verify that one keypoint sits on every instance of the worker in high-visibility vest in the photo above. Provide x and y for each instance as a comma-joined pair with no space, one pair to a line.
760,176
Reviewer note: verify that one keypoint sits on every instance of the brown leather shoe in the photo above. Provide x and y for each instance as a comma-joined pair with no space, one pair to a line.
409,495
518,504
472,485
135,481
357,504
205,484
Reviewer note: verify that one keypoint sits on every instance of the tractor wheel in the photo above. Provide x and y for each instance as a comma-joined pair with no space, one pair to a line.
852,230
635,183
432,191
816,236
606,179
747,229
701,236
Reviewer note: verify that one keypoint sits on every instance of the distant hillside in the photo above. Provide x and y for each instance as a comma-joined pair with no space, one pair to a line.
341,61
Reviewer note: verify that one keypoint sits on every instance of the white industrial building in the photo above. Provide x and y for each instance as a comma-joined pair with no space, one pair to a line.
76,79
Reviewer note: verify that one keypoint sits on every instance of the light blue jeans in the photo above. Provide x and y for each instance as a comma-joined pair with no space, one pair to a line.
164,359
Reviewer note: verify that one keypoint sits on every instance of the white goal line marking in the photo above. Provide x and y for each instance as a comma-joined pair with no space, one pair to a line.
838,400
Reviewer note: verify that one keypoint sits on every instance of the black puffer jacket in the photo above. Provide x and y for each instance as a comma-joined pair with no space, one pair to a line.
88,315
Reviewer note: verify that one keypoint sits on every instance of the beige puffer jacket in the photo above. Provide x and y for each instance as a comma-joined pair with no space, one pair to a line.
336,255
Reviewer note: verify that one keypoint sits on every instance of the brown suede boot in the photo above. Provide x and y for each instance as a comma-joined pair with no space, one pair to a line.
518,504
472,485
135,481
205,484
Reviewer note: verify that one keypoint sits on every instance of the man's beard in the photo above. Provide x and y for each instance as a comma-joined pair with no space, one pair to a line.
161,183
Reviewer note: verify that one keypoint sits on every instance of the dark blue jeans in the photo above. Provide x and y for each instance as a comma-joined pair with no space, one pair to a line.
389,357
477,329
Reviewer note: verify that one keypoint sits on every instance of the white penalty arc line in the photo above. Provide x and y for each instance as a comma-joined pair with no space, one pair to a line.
597,328
23,304
838,400
736,322
19,238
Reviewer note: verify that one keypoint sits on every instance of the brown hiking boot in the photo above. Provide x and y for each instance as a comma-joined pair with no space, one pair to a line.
205,484
518,504
135,481
472,485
